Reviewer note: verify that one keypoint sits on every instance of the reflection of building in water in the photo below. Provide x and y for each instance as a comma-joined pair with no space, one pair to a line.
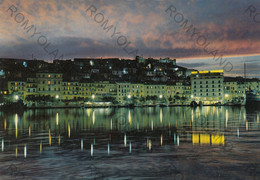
123,128
208,139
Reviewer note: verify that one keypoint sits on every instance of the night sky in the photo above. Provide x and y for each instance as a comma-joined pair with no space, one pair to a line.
144,26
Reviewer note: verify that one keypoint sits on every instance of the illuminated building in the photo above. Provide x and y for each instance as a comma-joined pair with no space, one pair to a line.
234,92
252,84
49,84
17,89
207,86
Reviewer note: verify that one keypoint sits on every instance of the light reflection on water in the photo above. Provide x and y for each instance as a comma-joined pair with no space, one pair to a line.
159,143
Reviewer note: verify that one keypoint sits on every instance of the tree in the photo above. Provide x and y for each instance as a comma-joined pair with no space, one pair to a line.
108,99
154,98
1,98
30,98
142,99
177,97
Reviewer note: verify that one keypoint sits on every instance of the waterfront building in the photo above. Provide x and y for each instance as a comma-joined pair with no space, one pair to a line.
179,92
71,90
207,87
234,91
123,91
16,90
127,81
31,87
152,92
135,92
252,84
102,90
157,90
49,84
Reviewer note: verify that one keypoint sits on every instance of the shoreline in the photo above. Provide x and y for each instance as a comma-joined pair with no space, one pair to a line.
114,106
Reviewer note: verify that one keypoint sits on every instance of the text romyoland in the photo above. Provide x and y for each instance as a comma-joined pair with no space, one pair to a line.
32,30
200,39
253,14
121,39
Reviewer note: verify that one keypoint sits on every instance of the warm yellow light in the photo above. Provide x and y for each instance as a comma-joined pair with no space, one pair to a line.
203,72
5,124
40,147
49,82
49,75
194,72
204,139
16,125
59,139
217,139
195,138
50,137
125,140
29,130
93,117
5,92
161,140
68,130
57,119
216,71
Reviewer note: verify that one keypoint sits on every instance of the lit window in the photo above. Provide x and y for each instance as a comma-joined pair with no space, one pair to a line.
49,82
49,76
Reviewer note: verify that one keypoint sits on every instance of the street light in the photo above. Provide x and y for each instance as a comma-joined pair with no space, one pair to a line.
160,96
93,96
129,96
16,97
57,96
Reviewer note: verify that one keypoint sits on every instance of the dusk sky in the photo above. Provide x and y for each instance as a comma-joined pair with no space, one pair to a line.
144,24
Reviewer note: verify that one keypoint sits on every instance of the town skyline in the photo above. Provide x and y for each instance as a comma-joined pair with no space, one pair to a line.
252,70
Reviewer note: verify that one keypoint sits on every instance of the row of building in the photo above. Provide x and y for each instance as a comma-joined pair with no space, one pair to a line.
207,87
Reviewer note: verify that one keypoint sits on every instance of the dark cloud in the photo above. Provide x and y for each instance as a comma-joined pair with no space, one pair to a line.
145,23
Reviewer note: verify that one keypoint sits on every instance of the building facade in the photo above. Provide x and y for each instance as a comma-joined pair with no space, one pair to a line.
207,87
234,92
